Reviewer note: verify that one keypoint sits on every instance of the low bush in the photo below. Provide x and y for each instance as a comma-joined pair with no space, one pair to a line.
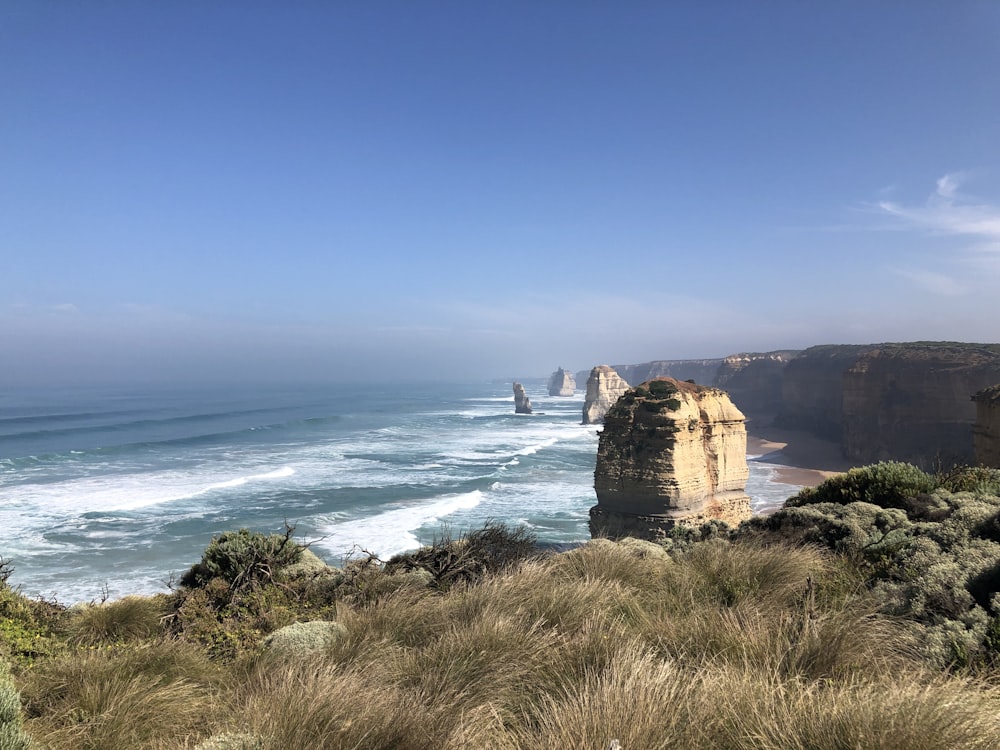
888,485
12,736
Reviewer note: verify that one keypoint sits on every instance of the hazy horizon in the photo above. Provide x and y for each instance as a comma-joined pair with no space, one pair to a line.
387,191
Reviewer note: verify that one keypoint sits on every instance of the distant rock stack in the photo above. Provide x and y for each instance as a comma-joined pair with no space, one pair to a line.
986,433
522,404
671,452
562,383
604,386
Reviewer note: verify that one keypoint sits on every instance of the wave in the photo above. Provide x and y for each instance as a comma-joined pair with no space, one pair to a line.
63,501
392,531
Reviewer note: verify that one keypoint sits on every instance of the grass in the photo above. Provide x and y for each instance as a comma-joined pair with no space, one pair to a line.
718,644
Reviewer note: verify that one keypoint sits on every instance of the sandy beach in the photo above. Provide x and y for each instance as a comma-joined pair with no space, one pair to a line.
805,460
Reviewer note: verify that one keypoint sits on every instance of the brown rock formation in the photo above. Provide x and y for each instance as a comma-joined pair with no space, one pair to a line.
986,433
604,386
754,380
671,452
562,383
522,404
912,402
812,390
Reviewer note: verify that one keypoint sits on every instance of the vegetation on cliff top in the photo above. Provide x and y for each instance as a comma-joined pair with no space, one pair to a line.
862,614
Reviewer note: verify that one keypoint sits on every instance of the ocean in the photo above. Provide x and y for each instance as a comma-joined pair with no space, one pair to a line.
114,491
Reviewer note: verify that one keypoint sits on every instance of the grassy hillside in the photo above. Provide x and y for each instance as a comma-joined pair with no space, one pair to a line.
798,631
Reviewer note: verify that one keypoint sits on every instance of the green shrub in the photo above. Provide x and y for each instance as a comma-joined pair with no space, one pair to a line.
26,625
303,638
12,736
980,480
888,484
244,559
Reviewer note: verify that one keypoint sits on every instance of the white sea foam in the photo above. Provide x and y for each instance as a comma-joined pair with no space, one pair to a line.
392,531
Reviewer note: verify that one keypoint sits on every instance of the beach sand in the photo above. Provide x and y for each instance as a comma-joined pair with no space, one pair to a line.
806,460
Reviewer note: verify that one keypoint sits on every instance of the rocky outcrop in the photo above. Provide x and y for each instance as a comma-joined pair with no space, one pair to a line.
562,383
604,386
671,452
522,404
754,380
986,432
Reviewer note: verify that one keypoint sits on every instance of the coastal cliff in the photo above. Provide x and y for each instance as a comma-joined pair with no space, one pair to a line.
754,380
913,402
986,433
604,386
812,390
671,452
522,404
562,383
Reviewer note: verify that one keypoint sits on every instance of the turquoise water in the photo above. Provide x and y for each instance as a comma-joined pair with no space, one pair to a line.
119,490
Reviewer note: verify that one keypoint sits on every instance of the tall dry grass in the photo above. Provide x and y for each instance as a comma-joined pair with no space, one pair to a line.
152,696
721,646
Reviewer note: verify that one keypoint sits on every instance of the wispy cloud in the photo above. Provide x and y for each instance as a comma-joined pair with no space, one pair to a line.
66,308
947,211
933,282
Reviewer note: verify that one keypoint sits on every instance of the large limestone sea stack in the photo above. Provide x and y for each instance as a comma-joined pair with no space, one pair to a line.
671,452
604,387
522,404
562,383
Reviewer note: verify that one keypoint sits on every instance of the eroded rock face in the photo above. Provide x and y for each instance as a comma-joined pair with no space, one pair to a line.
671,452
753,380
522,404
604,387
913,402
813,390
562,383
986,433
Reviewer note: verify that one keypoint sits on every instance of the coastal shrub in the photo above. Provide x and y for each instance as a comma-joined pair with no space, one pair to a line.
232,741
493,548
27,625
244,559
980,480
12,736
887,484
303,638
932,558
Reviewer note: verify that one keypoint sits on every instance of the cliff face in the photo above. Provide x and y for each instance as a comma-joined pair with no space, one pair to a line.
986,433
754,380
671,452
522,404
604,386
913,402
812,390
562,383
701,371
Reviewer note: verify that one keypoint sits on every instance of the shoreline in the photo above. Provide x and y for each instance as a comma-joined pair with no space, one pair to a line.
802,459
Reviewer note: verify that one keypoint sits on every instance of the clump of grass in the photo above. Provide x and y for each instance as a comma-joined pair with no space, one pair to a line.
131,618
134,697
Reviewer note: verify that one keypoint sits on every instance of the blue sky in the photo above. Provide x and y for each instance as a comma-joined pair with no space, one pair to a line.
445,190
